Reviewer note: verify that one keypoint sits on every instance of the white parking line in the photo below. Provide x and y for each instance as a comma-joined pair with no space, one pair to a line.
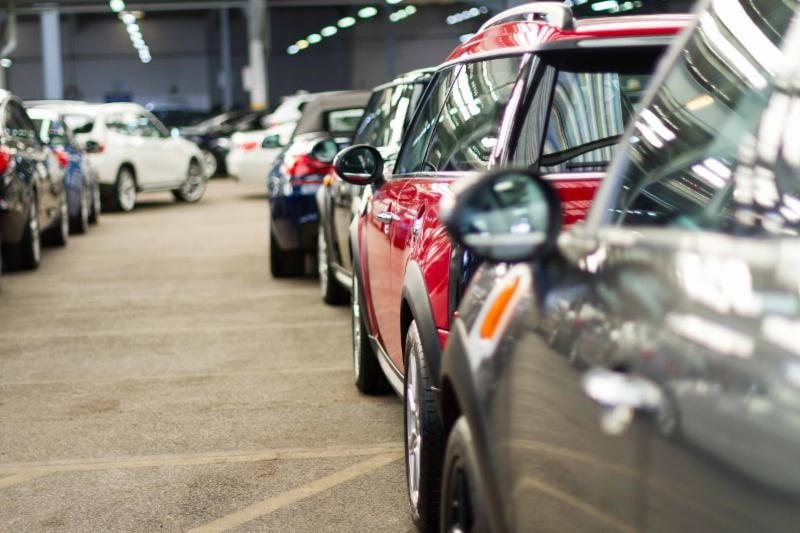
269,505
20,477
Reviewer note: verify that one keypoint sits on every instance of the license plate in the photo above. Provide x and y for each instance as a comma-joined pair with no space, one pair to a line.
309,189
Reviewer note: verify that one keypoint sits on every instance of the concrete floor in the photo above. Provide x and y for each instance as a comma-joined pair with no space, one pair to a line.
153,376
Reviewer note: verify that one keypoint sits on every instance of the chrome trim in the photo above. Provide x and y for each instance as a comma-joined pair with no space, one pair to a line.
556,14
344,278
395,378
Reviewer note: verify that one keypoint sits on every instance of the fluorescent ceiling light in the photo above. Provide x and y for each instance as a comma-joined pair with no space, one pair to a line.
346,22
367,12
327,31
128,18
314,38
393,1
116,5
292,49
302,44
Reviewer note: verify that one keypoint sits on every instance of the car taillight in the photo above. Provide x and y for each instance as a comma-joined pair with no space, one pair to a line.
249,145
63,158
5,160
307,169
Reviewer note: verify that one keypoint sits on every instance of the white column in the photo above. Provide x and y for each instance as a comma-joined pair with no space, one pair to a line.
51,53
258,33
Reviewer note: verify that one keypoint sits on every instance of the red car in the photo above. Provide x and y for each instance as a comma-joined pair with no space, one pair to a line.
533,88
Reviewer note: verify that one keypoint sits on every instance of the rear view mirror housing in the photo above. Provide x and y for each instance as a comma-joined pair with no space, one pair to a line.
271,141
92,147
505,216
325,150
360,164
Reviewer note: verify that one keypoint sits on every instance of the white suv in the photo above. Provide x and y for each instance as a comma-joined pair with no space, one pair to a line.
133,152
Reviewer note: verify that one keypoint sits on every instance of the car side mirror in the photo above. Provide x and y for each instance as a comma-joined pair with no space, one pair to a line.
360,164
271,141
325,150
505,216
92,147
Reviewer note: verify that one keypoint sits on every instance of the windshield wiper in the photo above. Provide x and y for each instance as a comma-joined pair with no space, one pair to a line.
556,158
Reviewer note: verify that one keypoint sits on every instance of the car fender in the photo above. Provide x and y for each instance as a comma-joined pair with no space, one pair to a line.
415,297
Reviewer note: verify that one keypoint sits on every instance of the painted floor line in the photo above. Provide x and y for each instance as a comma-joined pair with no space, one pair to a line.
235,456
269,505
21,477
188,375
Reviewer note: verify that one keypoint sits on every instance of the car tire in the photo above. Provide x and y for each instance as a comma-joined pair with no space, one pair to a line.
94,213
367,373
333,293
210,165
283,264
80,223
193,189
58,233
424,435
461,501
123,197
27,253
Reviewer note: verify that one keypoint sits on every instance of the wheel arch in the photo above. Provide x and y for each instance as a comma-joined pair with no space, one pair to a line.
415,305
130,166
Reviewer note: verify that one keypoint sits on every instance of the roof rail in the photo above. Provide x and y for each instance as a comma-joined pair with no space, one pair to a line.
555,13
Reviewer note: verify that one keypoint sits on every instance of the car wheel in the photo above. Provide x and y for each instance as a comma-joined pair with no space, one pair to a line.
94,214
58,233
462,500
283,264
369,378
209,163
194,187
80,223
27,253
332,291
124,198
667,416
423,435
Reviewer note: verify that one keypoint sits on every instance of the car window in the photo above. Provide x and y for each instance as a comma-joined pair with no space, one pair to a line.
52,132
412,153
466,131
582,103
680,161
79,123
342,121
123,123
387,115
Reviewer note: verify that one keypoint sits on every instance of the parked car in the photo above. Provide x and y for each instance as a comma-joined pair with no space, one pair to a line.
213,136
533,87
133,152
33,197
382,125
83,190
640,371
253,153
326,125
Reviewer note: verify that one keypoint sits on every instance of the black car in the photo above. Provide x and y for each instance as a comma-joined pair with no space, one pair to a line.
641,371
213,136
326,125
33,196
385,119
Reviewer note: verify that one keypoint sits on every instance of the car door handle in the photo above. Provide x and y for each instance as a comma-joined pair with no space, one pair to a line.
620,395
386,216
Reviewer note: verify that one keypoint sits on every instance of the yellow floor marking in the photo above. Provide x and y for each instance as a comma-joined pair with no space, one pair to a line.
157,377
235,456
265,507
20,477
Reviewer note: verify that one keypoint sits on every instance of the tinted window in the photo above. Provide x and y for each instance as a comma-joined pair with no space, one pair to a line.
79,123
412,154
386,116
18,124
343,120
123,123
582,103
466,131
680,162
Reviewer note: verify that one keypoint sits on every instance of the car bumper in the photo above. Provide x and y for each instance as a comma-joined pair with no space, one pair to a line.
295,220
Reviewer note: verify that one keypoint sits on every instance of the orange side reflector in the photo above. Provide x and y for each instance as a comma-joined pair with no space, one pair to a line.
327,180
492,318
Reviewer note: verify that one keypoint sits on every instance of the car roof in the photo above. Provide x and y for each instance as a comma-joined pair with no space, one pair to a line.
312,117
531,35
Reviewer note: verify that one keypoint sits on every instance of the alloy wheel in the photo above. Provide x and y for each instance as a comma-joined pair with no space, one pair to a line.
36,243
322,261
64,222
126,190
209,163
356,315
413,431
194,186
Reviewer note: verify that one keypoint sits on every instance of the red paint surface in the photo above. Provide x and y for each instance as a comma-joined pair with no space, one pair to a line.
576,197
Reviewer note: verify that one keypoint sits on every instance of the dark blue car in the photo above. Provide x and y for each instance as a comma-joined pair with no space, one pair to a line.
83,191
327,124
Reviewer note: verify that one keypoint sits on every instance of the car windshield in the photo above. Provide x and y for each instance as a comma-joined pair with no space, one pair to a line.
592,95
79,123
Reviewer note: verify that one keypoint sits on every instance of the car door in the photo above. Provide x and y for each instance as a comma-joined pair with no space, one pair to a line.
381,214
158,156
695,247
126,143
170,152
42,164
